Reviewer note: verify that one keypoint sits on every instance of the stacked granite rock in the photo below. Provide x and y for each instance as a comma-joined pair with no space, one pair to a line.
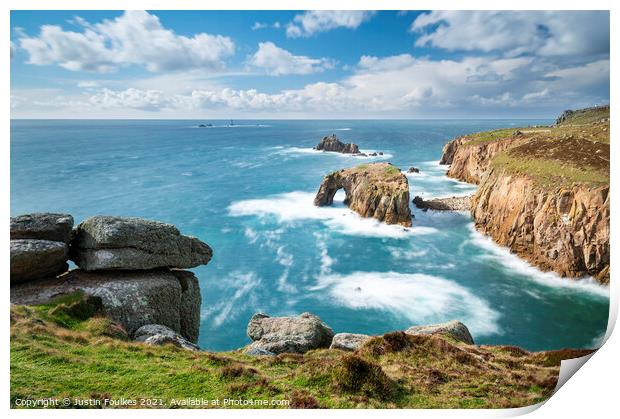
39,246
133,265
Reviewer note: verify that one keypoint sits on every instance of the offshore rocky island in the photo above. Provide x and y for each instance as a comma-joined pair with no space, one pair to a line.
128,315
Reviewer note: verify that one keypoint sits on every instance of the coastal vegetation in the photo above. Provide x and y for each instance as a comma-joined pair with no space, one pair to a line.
543,191
60,352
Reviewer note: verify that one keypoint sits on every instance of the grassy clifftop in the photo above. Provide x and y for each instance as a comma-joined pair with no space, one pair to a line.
60,350
575,150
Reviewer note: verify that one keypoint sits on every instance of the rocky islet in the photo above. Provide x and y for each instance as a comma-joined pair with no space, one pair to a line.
377,190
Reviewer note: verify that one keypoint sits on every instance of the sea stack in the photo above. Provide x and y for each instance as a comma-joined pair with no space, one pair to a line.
332,143
377,190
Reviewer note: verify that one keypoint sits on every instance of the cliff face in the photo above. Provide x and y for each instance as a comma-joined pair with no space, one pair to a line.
377,190
544,191
565,230
469,162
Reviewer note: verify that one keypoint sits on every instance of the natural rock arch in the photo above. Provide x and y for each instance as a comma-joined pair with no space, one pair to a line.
377,190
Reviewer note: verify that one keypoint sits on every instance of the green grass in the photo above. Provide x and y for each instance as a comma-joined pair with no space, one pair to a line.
56,356
587,116
573,152
546,172
485,136
81,359
392,170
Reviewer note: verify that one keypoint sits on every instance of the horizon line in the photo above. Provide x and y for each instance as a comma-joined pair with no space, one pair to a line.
277,119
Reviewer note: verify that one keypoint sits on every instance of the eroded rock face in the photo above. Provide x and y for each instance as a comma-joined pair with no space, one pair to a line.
105,243
157,334
42,226
470,162
34,259
565,230
454,328
449,150
377,190
332,143
130,298
348,341
288,334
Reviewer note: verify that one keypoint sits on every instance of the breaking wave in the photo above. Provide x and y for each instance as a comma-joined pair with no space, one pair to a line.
299,206
420,298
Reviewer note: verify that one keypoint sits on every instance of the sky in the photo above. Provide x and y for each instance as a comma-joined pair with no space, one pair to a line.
307,64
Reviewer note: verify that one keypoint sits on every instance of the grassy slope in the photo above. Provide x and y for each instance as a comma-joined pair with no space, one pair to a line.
59,351
575,151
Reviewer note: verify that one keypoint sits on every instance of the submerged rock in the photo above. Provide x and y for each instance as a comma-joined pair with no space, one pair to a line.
413,170
105,242
157,334
34,259
131,298
455,329
288,334
348,341
332,143
455,203
377,190
42,226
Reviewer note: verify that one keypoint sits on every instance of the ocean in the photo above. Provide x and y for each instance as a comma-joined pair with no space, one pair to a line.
247,191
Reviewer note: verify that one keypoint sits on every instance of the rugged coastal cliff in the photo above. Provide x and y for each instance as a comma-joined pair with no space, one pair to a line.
469,159
377,190
544,191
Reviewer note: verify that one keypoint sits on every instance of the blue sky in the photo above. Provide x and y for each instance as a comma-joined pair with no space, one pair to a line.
296,64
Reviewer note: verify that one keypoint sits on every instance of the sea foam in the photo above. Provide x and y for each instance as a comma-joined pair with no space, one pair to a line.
305,151
420,298
515,265
298,206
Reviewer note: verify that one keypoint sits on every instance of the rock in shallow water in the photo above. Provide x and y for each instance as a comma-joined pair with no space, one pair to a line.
157,334
132,299
34,259
454,328
288,334
42,226
348,341
455,203
105,242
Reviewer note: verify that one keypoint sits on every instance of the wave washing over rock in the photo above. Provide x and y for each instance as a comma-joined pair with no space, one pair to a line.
298,206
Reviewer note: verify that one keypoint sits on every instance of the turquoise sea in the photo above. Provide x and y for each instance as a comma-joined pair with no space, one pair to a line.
247,190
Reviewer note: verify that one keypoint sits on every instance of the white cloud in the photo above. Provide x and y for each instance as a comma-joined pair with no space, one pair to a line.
589,74
528,97
87,84
311,22
551,33
278,61
393,86
136,37
149,100
259,25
